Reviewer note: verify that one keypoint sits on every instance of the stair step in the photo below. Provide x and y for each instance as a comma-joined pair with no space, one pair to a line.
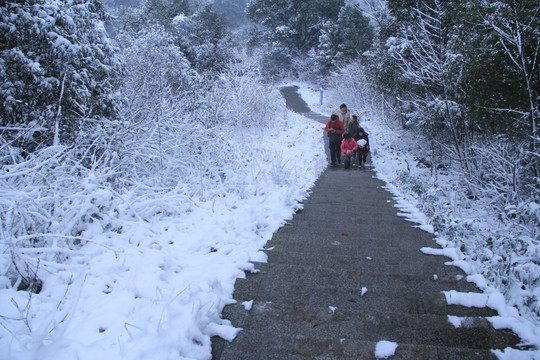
279,347
358,230
321,322
314,277
372,260
343,240
408,302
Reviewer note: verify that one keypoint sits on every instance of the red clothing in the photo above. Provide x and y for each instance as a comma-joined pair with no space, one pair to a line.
336,125
348,146
334,137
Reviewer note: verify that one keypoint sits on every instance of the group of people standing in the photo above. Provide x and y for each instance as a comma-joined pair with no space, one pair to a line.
348,141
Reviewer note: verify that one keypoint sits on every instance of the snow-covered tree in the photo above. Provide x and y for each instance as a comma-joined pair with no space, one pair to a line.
203,39
515,29
346,39
57,67
287,32
199,33
429,63
294,24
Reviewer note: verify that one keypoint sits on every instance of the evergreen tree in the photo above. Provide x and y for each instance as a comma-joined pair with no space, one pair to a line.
201,35
57,67
346,39
204,40
164,11
293,24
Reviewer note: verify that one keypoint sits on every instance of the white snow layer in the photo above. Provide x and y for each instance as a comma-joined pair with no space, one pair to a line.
156,289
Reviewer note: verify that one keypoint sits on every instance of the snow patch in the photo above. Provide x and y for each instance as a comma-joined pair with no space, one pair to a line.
455,320
385,349
247,304
363,291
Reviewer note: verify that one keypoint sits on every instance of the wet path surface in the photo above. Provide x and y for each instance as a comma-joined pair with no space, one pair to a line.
347,272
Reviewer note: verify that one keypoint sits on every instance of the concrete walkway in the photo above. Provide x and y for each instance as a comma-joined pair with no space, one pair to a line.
346,273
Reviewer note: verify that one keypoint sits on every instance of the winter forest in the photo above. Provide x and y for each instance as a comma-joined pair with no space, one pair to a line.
147,154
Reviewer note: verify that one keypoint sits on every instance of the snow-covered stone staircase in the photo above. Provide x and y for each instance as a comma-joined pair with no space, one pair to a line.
346,273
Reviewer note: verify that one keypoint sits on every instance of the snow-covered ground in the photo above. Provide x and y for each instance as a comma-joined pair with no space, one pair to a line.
156,289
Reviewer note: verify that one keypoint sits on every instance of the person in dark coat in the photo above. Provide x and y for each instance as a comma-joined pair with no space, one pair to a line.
352,129
334,128
363,147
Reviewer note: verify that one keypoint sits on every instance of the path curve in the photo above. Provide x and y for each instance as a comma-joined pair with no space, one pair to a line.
295,102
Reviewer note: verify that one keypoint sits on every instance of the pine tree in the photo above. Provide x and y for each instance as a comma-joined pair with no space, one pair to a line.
204,40
293,24
57,67
346,39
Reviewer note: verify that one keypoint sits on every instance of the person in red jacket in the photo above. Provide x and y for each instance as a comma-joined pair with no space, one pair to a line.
334,129
348,147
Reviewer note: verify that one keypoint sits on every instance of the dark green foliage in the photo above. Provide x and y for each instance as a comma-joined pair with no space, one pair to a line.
203,39
294,24
346,39
163,11
308,37
490,82
201,35
152,12
486,73
505,43
56,64
354,32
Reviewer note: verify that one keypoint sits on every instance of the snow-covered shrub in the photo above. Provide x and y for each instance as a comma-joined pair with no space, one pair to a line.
239,99
121,266
47,202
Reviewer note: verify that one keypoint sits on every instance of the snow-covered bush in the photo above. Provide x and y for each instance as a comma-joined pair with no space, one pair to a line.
102,259
47,202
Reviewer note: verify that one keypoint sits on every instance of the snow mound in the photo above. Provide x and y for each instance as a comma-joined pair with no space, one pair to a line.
385,349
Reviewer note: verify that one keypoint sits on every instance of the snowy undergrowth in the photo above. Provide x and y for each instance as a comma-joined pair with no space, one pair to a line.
497,247
141,272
